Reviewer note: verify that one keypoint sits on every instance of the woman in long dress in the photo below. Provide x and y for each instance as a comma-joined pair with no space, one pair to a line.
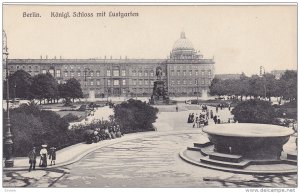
43,153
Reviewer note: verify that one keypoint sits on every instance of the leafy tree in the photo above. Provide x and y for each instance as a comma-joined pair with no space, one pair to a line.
254,111
74,89
44,86
257,86
19,85
289,82
216,87
135,115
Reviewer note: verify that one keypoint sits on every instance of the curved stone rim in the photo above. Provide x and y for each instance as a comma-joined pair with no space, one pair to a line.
248,130
234,170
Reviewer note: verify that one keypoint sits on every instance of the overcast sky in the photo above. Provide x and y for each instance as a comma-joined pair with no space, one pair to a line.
240,38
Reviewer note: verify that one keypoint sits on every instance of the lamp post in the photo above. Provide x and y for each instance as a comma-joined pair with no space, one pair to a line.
8,143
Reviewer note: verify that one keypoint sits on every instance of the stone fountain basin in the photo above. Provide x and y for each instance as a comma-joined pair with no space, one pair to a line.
252,141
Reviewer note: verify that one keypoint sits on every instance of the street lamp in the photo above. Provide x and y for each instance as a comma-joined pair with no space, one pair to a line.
8,143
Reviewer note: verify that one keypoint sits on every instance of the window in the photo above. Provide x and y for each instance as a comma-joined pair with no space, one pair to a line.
151,73
184,73
178,82
108,73
134,73
57,73
44,71
116,73
191,82
178,72
98,83
97,73
146,82
123,73
151,82
123,82
108,82
29,67
71,66
78,73
36,67
124,91
196,72
202,72
184,82
196,82
91,73
172,72
172,82
203,81
140,82
191,72
92,83
140,73
116,82
72,74
134,82
209,72
51,71
146,73
164,74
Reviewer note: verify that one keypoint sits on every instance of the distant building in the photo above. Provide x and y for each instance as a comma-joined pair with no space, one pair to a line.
227,76
185,72
277,73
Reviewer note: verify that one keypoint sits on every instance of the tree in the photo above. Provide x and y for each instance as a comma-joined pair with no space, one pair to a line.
289,84
74,89
70,90
19,85
254,111
257,86
216,87
135,115
44,86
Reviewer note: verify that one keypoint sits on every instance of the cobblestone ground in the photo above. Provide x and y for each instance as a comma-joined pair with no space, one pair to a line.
154,162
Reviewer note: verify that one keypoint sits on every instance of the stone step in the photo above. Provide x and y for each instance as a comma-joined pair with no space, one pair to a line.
204,144
225,157
292,156
239,165
194,148
290,161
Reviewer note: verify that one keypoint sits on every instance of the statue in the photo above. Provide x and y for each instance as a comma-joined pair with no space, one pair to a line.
159,72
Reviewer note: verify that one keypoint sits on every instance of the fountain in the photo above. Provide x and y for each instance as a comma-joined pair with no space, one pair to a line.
244,148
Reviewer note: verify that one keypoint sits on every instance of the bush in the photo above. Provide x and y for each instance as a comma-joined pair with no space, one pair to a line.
254,111
135,116
70,118
31,126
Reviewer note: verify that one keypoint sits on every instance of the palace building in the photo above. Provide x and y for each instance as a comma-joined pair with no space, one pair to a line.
185,72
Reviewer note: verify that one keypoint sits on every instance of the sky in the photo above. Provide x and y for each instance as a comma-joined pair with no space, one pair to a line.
239,38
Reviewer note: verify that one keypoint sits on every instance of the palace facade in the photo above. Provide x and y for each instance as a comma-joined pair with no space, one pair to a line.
185,72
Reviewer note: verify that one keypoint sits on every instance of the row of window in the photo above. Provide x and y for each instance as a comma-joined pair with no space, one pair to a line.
184,82
142,82
179,73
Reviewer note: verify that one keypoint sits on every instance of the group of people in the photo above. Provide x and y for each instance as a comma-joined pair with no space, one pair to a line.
110,132
202,119
45,154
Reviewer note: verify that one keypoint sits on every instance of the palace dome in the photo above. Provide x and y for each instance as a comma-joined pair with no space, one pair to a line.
183,43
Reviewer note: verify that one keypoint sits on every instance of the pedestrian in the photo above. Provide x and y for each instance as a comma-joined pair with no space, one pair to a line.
195,122
229,107
207,114
43,153
215,119
221,105
217,108
192,118
176,108
219,121
52,155
211,114
32,159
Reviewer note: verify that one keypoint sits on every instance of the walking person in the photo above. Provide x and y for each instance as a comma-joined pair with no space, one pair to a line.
215,119
211,114
219,120
217,108
52,155
43,153
32,159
